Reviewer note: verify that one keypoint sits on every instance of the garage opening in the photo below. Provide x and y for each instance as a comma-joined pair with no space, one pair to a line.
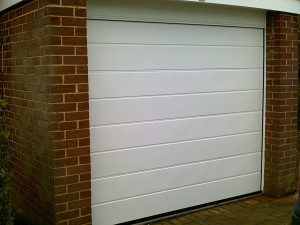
176,106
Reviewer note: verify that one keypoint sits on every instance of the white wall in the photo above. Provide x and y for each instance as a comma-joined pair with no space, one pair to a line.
291,6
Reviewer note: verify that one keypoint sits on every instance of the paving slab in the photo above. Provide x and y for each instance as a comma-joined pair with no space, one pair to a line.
256,210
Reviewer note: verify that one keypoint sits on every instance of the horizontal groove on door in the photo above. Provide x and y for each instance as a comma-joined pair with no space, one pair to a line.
173,95
163,131
111,57
179,70
105,164
171,34
178,188
174,45
172,166
169,119
175,188
137,83
172,119
179,198
175,142
159,108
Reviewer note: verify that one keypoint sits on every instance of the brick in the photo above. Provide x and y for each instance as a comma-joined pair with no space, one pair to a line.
83,106
78,151
59,11
61,207
85,177
50,60
76,22
65,144
81,3
84,124
76,116
79,187
60,50
281,105
66,197
82,69
75,60
67,126
84,142
240,212
81,220
66,161
55,21
81,51
78,169
51,40
63,223
80,31
34,77
85,211
85,194
77,134
63,107
59,172
79,204
66,70
75,79
58,135
61,31
76,41
67,215
80,12
66,180
62,89
77,97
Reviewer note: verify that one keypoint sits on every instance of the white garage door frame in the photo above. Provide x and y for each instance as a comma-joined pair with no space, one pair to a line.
115,16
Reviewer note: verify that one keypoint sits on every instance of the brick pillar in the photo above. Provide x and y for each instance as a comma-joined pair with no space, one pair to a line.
70,111
28,120
46,87
281,104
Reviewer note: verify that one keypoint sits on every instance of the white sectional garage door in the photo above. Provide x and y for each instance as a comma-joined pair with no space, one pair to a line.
176,116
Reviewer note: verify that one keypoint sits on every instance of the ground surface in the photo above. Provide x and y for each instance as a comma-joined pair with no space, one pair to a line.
257,210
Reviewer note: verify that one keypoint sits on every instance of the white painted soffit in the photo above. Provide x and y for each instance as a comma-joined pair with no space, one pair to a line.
290,6
4,4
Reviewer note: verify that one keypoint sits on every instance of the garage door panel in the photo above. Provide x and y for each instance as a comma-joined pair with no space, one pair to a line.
175,108
187,12
113,163
176,34
129,84
104,138
166,201
126,110
136,184
161,57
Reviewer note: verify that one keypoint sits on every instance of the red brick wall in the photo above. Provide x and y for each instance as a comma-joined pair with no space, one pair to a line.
70,111
46,87
281,104
26,95
298,139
